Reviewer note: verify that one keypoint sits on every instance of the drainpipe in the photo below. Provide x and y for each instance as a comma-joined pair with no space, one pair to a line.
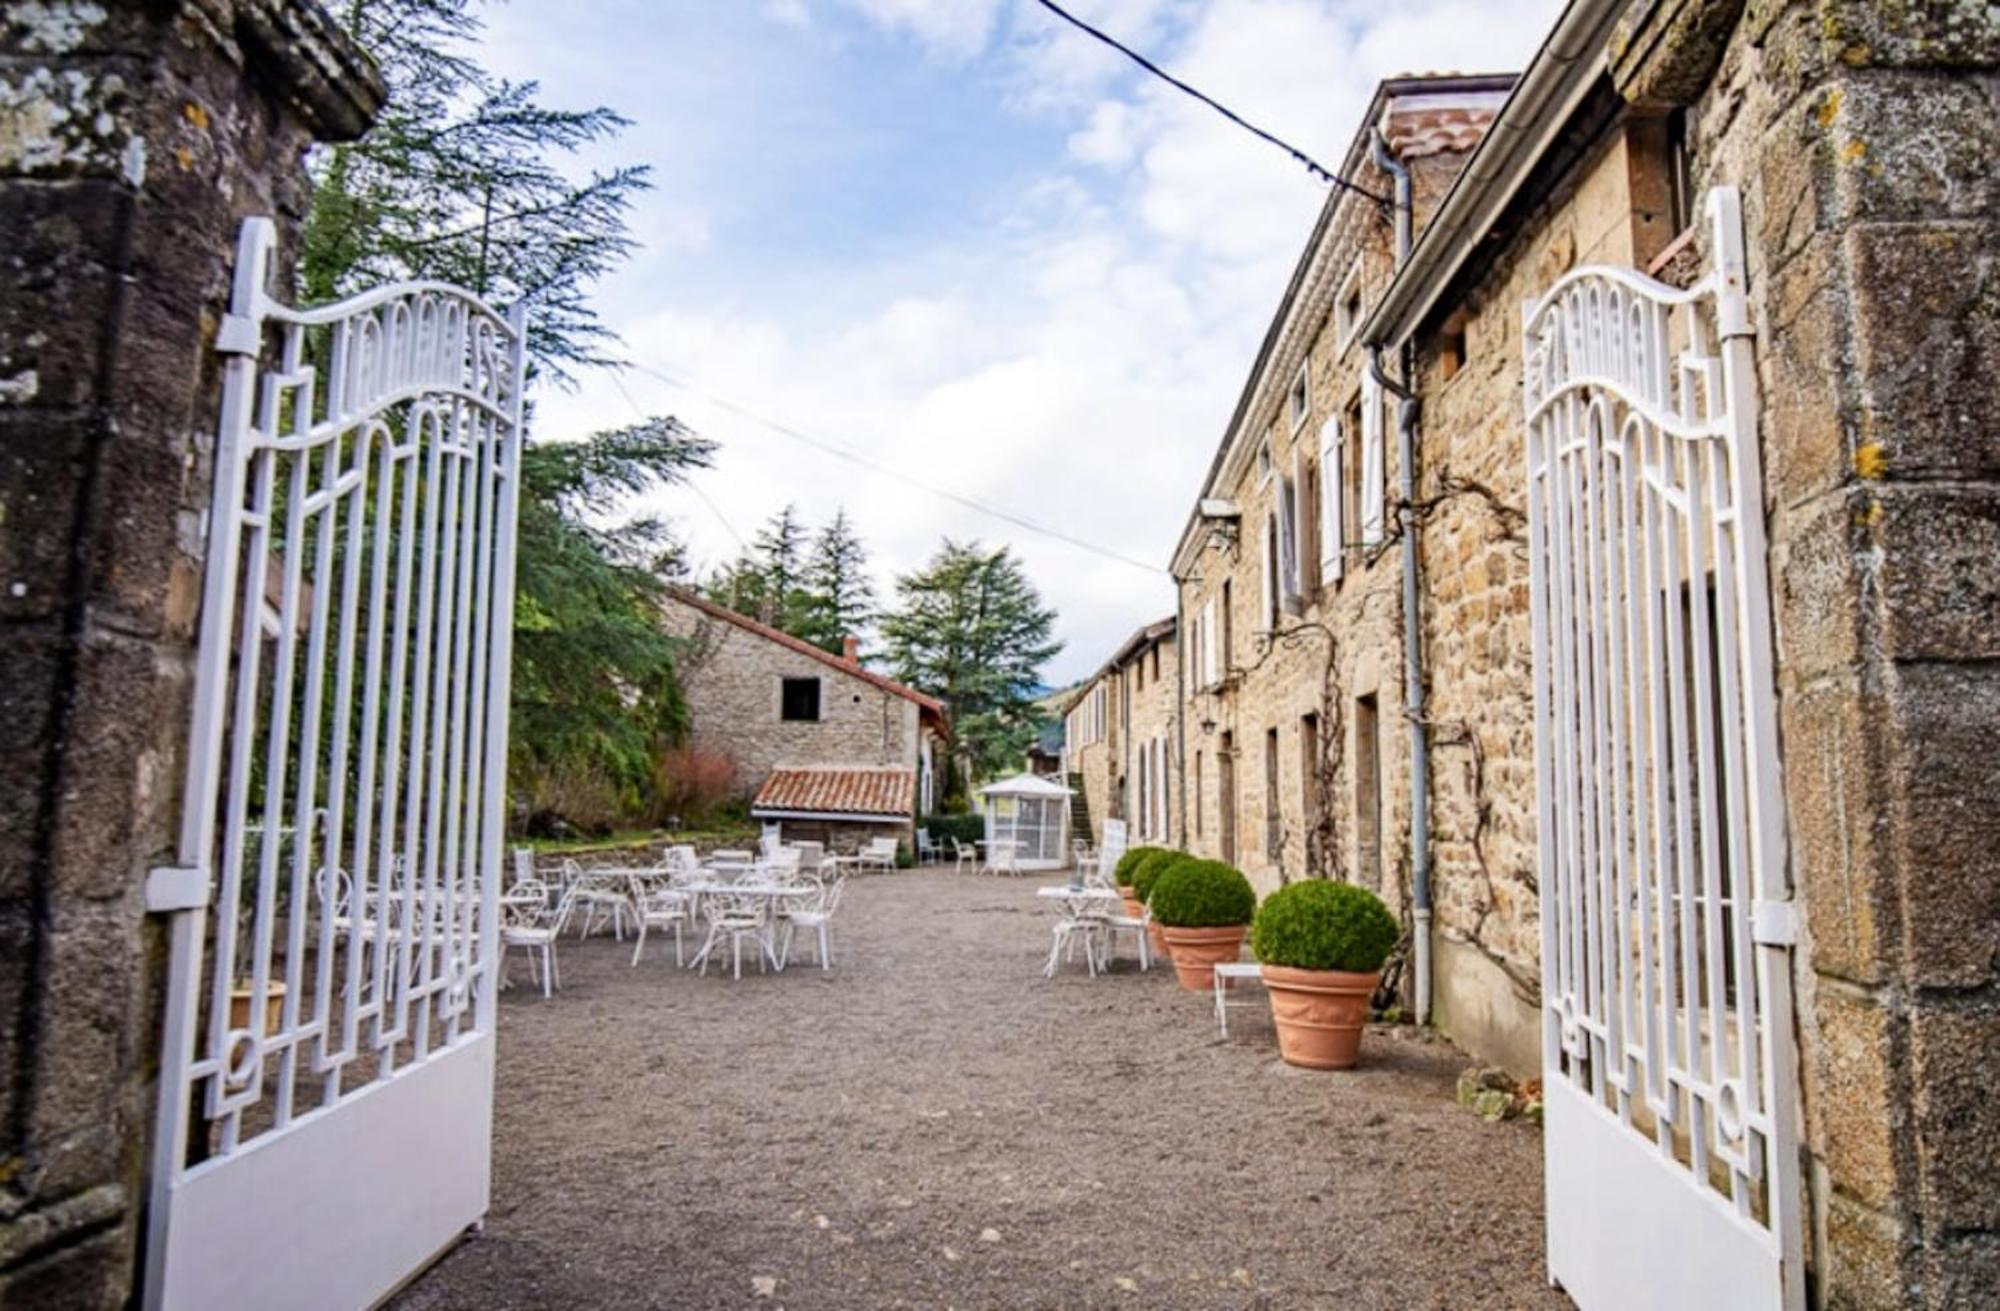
1413,663
1182,653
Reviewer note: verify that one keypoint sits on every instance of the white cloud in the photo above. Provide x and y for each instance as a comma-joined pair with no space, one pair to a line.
1069,352
949,29
789,13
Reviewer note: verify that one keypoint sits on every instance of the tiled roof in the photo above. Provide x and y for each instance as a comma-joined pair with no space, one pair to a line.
833,791
803,647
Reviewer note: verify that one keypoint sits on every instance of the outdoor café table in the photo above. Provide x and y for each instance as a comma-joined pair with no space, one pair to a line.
1078,902
775,893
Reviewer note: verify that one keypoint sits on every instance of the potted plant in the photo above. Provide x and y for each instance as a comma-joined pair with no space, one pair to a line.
1128,866
1203,908
1144,876
1322,945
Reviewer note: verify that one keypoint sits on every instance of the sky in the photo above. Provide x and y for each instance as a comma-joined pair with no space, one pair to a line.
960,241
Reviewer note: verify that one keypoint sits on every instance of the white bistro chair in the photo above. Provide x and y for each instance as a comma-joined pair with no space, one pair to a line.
658,905
815,919
528,922
734,916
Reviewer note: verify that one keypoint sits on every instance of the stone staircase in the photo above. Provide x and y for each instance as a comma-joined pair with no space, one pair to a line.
1080,825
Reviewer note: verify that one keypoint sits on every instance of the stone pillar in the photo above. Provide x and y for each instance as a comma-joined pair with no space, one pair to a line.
1875,218
134,136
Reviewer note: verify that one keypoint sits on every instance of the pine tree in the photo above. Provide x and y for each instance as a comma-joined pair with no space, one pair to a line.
458,181
839,600
970,629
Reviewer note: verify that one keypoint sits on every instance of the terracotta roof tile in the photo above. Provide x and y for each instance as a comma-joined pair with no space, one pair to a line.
833,791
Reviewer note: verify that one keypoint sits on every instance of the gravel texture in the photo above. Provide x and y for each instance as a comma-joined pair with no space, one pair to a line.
933,1124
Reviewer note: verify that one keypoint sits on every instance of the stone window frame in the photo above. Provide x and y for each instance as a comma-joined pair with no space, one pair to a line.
1298,398
1347,322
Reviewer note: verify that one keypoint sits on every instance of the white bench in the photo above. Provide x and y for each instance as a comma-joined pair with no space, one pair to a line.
1227,974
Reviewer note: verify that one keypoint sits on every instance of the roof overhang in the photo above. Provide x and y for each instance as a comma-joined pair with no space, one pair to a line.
830,816
1309,295
1534,116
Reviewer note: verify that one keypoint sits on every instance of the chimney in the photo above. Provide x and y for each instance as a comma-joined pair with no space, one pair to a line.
850,650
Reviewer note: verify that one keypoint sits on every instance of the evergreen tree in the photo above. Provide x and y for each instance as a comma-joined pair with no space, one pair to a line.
970,629
457,180
594,690
839,600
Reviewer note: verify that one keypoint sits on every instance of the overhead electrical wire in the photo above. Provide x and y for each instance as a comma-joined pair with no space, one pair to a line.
1312,165
844,452
693,486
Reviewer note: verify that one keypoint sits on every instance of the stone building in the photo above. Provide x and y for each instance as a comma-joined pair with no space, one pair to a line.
1848,149
1121,739
1297,745
821,745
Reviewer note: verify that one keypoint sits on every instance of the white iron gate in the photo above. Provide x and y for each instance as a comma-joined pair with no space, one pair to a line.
326,1080
1668,1062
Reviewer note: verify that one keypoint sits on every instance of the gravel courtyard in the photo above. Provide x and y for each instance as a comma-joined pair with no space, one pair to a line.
932,1124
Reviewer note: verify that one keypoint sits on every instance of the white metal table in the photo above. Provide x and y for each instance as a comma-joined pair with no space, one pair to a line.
771,892
1077,907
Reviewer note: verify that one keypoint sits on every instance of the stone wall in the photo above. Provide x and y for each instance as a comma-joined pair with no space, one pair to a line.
1863,140
733,680
133,139
1149,701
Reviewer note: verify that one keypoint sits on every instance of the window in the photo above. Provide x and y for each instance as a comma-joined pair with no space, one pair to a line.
1298,401
800,700
1228,633
1350,473
1309,777
1680,175
1225,766
1205,653
1347,309
1451,346
1367,793
1274,823
1305,498
1197,794
1269,577
1263,462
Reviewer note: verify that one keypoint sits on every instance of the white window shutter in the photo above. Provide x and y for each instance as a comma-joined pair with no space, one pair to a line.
1267,591
1332,481
1371,460
1209,673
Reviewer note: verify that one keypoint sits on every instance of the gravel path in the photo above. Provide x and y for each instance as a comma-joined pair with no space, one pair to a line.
932,1124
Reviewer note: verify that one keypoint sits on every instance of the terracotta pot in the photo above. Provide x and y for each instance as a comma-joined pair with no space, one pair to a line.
1133,906
1197,952
1158,933
1320,1014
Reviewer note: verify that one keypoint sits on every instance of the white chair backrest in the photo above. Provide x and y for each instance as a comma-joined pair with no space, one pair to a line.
882,848
524,864
769,845
1002,854
811,855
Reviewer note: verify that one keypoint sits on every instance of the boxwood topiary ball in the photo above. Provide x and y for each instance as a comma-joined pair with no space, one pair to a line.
1320,925
1129,863
1147,873
1202,894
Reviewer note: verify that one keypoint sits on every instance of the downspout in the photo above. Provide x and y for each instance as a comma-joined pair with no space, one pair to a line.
1182,653
1413,664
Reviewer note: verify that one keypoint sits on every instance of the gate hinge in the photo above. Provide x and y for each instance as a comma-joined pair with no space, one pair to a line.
1775,923
171,887
237,335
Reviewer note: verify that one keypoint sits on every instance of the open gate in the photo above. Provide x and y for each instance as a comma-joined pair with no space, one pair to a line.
1666,920
326,1082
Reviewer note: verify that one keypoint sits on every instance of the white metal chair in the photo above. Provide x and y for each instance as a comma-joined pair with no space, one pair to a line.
735,916
879,855
1227,974
1069,930
964,855
658,905
601,901
782,866
528,922
1003,857
812,855
928,851
1137,926
815,919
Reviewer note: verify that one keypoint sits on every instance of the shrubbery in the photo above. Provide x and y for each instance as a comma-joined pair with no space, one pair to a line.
967,827
1129,863
1147,873
1319,925
1201,894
